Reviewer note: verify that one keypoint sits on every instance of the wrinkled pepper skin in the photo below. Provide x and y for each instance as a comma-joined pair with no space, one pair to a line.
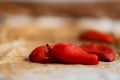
41,55
104,53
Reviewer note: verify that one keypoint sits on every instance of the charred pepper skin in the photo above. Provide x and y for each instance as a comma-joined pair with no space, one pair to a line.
93,35
69,53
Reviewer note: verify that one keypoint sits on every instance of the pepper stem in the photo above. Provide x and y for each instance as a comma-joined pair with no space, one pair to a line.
48,47
49,50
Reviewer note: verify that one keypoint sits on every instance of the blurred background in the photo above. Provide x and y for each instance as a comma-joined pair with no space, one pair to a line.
57,20
27,24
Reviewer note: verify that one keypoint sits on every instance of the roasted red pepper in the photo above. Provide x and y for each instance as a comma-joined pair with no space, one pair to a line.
69,53
42,54
93,35
104,53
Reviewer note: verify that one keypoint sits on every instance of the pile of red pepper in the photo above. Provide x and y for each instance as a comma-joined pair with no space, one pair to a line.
69,53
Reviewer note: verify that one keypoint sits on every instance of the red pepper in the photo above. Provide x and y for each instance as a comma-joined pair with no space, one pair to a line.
93,35
42,54
104,53
69,53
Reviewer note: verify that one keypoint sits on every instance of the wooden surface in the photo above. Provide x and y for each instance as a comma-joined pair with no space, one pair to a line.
76,9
